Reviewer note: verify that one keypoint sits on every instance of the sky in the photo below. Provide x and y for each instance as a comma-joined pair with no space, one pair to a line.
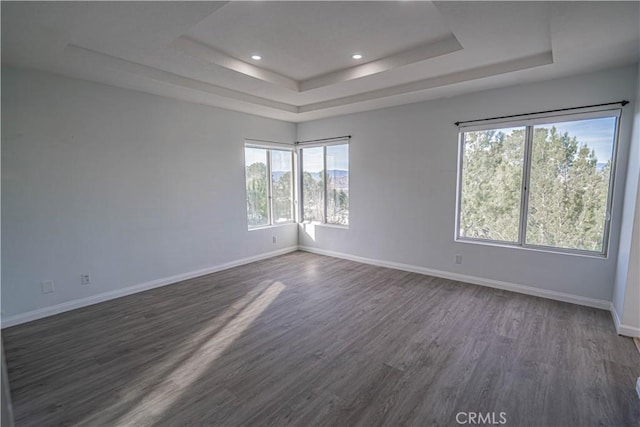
598,134
280,159
337,158
255,155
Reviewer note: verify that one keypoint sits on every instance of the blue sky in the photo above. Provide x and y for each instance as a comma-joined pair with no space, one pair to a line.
598,134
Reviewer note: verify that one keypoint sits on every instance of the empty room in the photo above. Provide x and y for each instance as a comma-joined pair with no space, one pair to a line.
316,213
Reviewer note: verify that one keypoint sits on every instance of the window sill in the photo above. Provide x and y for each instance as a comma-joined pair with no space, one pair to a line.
322,224
559,251
264,227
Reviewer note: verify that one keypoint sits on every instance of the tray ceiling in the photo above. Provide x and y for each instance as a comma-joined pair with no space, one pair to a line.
412,51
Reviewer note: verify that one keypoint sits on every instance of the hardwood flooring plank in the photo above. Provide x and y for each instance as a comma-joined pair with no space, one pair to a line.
309,340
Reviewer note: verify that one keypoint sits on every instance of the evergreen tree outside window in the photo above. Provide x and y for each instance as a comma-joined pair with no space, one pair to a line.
544,182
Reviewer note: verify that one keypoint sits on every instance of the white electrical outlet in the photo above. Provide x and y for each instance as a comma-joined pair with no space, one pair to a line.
274,239
47,286
458,259
85,279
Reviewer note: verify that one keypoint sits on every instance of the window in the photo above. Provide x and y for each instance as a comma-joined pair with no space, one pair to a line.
282,185
269,185
543,182
325,184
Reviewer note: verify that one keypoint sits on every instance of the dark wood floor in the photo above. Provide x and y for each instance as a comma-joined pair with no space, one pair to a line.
304,339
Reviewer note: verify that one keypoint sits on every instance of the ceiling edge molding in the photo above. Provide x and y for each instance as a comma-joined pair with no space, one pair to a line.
124,65
423,52
210,55
519,64
166,77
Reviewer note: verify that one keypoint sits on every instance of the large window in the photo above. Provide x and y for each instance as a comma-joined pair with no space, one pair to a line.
325,184
543,182
269,184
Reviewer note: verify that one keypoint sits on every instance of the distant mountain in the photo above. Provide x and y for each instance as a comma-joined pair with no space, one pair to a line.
336,173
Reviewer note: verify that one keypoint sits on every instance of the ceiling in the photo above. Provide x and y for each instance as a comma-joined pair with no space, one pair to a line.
411,51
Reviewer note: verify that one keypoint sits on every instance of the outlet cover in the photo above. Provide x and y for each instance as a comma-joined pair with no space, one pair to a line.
47,286
458,259
85,279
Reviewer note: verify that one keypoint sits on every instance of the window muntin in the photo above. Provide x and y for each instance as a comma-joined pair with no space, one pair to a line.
565,183
325,184
269,186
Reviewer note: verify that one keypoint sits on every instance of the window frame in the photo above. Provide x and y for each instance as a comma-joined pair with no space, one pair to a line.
529,123
324,145
269,147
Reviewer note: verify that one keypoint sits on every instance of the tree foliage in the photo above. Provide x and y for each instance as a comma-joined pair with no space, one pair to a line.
337,198
257,196
567,195
282,202
313,196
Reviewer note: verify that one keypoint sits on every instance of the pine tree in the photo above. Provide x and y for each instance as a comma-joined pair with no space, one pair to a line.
567,197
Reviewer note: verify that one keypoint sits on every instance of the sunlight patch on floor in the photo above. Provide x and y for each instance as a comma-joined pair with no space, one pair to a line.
155,403
199,351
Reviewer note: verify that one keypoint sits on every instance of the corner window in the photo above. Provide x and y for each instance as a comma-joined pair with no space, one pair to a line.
325,184
269,186
544,182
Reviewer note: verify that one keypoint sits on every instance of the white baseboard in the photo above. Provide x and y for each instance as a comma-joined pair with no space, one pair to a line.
528,290
622,329
95,299
523,289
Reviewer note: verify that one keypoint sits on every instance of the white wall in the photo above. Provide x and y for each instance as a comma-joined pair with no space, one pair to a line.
626,295
631,312
403,185
133,188
125,186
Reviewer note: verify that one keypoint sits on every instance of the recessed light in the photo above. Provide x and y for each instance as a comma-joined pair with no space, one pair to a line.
256,57
356,56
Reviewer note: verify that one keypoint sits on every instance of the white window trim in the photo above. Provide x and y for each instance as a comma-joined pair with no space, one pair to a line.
542,118
278,146
529,123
